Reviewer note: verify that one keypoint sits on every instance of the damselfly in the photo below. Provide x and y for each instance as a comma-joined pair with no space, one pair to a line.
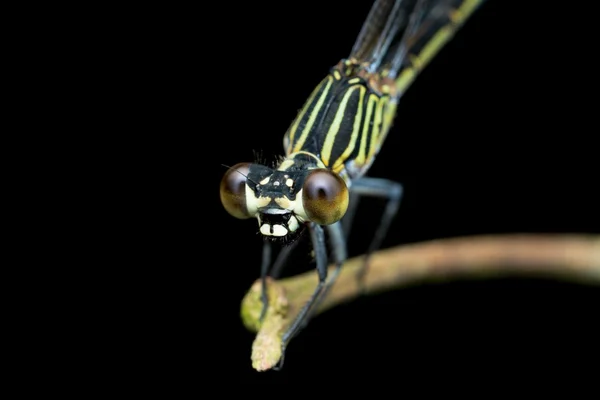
336,136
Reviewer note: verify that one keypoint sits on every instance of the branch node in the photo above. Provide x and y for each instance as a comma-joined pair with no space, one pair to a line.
266,349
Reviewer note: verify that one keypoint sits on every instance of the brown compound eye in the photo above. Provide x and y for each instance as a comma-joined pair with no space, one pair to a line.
233,191
324,197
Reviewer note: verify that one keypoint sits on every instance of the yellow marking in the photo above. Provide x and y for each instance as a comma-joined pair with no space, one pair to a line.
292,132
416,61
285,164
336,75
377,128
388,119
251,201
432,47
390,112
263,201
283,202
313,116
405,79
455,16
466,9
335,127
288,162
439,39
339,163
265,181
289,182
354,80
361,157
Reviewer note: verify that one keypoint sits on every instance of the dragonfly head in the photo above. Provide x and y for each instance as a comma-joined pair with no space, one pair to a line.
283,201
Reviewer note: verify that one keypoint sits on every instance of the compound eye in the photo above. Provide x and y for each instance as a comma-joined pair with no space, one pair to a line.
324,197
233,191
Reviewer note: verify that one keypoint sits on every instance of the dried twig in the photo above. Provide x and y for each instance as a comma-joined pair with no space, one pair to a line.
570,257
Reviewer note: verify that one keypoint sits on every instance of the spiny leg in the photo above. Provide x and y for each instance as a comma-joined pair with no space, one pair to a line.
264,271
383,188
339,255
318,242
275,270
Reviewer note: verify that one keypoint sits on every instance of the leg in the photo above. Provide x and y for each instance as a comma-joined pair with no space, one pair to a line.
338,247
318,241
275,270
264,271
383,188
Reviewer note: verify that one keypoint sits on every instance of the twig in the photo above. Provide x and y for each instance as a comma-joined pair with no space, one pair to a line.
573,257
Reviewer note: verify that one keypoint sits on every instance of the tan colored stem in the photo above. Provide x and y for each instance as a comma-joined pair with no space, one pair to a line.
573,257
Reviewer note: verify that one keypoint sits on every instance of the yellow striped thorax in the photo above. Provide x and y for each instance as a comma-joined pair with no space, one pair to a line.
339,131
345,120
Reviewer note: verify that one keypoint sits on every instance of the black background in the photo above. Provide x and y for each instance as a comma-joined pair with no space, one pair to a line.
493,137
497,135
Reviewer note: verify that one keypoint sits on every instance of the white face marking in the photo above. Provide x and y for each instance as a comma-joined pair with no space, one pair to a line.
251,202
265,181
265,229
289,182
299,208
293,224
279,230
276,183
275,211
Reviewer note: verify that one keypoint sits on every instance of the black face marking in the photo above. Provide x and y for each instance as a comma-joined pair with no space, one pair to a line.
276,186
281,219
